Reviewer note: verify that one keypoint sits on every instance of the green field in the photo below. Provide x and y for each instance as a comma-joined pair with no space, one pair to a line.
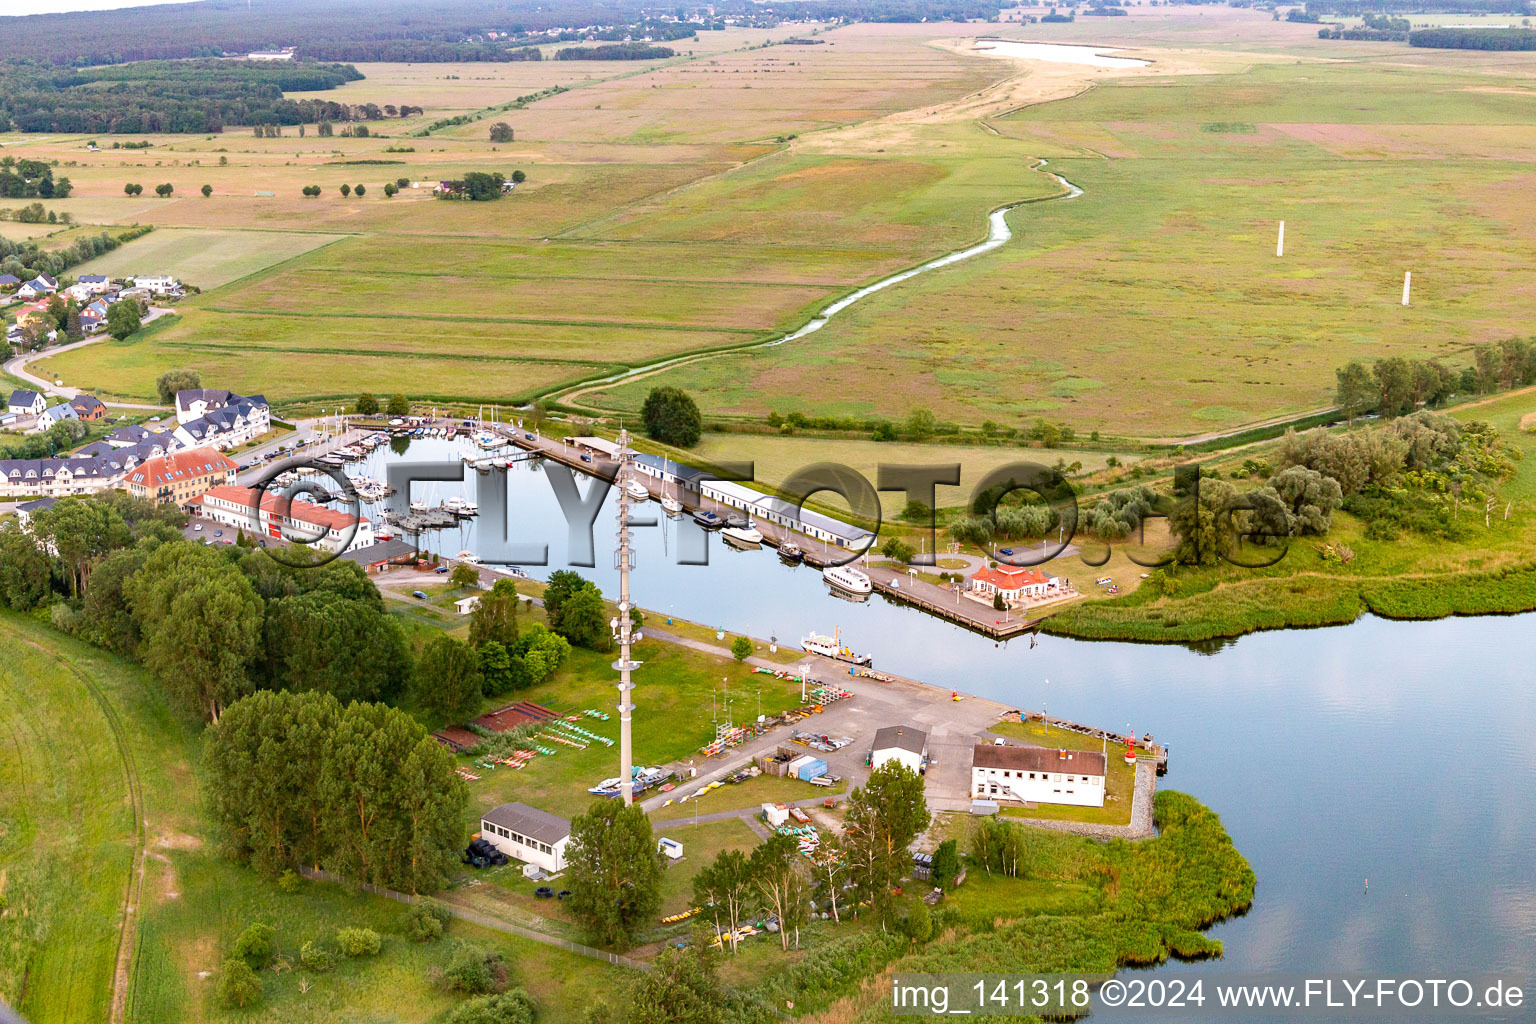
1154,305
204,258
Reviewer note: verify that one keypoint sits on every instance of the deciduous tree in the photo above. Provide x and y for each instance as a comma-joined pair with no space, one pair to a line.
672,417
448,680
614,872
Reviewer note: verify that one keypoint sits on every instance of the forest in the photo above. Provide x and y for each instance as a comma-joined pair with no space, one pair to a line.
168,96
373,30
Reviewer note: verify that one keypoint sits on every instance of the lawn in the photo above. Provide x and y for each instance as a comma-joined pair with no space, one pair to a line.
701,844
203,258
67,838
673,718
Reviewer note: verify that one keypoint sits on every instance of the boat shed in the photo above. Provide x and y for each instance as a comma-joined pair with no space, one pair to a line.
528,834
595,445
783,513
899,743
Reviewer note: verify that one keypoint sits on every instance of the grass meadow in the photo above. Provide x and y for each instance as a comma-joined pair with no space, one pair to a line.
1153,305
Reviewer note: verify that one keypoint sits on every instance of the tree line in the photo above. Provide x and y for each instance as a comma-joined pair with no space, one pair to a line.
166,96
615,51
1398,385
30,179
26,260
1474,38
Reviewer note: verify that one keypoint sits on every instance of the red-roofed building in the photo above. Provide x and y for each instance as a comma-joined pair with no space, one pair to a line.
1017,583
287,519
180,477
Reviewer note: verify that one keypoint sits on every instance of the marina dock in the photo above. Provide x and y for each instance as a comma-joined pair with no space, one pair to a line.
896,585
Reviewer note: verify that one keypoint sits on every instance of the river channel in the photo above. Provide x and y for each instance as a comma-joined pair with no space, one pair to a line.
1399,752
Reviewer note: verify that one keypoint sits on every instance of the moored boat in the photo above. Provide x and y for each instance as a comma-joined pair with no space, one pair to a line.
708,520
790,551
847,578
832,647
671,504
742,535
637,490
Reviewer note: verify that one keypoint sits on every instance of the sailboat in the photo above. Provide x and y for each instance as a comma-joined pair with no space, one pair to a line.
668,502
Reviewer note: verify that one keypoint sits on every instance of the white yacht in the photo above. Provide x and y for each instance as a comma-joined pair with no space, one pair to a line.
832,647
847,578
637,490
467,556
671,504
742,534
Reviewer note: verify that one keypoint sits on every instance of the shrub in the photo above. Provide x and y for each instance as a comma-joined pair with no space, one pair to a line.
473,970
238,984
425,921
290,882
741,647
357,941
315,957
919,923
254,946
514,1007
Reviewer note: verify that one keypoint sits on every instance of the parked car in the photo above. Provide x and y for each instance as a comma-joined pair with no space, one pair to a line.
218,533
586,458
440,569
529,437
198,528
419,595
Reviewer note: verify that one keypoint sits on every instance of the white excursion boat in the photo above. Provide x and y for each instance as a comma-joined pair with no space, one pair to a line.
846,578
742,534
832,647
671,504
419,505
637,490
467,556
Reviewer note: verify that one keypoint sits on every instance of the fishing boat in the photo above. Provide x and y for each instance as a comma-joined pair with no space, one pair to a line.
672,505
708,520
847,578
744,535
790,551
636,490
832,647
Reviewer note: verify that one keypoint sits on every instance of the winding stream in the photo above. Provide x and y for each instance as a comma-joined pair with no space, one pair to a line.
998,235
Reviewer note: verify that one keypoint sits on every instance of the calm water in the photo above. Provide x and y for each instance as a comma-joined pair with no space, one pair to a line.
1400,752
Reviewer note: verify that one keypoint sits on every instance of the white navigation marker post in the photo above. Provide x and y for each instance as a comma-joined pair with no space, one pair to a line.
1407,280
1280,244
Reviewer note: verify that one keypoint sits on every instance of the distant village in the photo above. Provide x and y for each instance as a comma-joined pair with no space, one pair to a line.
91,294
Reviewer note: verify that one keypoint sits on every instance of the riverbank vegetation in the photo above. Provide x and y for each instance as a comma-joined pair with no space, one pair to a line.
1434,519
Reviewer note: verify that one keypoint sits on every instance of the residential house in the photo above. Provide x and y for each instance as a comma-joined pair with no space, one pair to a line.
1038,775
95,284
1016,584
180,477
39,287
26,403
57,478
527,834
93,318
56,414
285,519
78,293
88,407
244,419
900,743
159,285
8,282
27,509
